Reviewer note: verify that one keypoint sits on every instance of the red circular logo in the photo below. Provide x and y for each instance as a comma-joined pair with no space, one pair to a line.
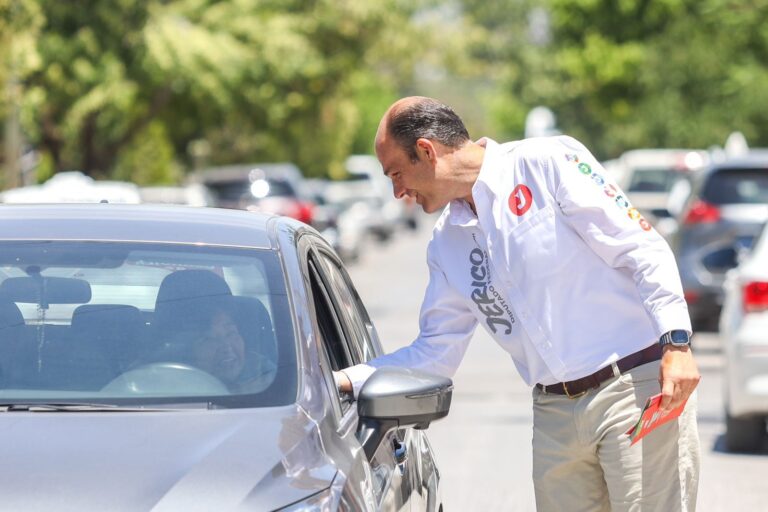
520,200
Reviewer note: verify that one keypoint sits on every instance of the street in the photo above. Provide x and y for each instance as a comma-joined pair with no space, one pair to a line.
483,447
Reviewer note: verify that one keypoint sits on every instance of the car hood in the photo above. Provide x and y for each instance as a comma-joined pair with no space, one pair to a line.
255,459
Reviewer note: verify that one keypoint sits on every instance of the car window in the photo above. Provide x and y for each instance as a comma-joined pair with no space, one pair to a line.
653,180
334,348
737,186
353,309
144,323
329,321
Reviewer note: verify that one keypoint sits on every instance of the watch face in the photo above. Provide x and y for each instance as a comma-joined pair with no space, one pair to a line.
679,338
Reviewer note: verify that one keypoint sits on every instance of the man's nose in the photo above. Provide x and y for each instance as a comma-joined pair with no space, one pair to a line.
400,191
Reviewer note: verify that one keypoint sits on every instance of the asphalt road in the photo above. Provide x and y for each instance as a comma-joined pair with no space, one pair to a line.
483,447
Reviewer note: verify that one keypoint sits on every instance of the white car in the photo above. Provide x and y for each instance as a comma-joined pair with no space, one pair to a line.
74,187
744,331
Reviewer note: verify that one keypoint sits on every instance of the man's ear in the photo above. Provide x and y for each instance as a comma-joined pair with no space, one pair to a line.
426,148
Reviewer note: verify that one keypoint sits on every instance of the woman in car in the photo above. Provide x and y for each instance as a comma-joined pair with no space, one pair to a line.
210,339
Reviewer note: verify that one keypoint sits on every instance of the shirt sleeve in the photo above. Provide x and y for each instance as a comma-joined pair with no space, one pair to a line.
446,326
601,214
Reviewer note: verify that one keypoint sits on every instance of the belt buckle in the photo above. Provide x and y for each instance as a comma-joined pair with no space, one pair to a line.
569,395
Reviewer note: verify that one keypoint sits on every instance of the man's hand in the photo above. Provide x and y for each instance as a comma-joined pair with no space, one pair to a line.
678,376
342,382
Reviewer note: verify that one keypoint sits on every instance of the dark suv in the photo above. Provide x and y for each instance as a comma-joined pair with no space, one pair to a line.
267,187
725,211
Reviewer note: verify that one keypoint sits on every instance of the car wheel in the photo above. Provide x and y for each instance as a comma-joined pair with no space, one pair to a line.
744,434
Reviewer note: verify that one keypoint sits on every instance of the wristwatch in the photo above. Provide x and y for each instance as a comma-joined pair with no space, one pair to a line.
676,338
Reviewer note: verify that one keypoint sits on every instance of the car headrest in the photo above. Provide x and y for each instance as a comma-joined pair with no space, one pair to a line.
182,290
107,318
10,315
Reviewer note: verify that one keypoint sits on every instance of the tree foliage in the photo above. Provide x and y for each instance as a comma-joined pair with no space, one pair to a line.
255,79
634,73
128,88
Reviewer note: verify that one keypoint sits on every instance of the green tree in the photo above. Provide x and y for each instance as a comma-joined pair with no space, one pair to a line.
256,79
20,22
634,73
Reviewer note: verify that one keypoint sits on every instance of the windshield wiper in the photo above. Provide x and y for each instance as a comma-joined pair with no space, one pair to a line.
75,407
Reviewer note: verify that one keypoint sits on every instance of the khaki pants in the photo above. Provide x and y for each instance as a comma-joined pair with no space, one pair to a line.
582,460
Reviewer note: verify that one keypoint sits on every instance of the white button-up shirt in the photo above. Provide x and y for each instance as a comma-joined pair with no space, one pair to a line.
557,266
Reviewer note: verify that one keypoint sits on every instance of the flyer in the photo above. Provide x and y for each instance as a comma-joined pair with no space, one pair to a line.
652,417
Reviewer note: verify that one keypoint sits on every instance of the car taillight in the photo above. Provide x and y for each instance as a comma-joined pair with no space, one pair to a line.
702,212
306,212
691,297
755,296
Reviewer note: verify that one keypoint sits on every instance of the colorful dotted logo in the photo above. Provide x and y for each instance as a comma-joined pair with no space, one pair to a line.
610,190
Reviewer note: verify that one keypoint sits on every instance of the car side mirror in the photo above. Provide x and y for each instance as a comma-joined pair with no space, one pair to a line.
399,397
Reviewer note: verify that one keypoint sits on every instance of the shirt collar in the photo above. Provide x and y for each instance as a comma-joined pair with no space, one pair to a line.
459,212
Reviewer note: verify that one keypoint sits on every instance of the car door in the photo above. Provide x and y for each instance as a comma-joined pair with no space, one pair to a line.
418,468
349,339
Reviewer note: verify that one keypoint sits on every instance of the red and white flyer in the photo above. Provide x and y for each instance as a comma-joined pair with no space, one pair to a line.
652,417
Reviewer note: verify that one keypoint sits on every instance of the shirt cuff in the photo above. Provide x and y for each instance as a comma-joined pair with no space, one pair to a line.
672,318
358,374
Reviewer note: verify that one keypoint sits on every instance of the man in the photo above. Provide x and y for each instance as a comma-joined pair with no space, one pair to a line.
538,245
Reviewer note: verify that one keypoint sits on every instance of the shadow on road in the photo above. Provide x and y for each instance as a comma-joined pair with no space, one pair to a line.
719,447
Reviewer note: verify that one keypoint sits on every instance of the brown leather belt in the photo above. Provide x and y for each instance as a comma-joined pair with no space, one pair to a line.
578,387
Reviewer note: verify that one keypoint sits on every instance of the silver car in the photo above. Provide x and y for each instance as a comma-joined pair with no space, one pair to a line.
726,210
174,358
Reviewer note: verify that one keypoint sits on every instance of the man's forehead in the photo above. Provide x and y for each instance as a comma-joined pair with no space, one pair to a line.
388,154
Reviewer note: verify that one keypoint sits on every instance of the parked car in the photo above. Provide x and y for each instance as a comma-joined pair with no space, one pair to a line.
74,187
725,211
193,194
744,333
178,358
265,187
344,224
365,173
648,176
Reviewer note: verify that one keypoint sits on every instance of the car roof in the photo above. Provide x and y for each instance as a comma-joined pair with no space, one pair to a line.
138,223
663,158
754,158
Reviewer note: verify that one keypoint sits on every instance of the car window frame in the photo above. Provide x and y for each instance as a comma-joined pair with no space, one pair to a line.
359,319
342,404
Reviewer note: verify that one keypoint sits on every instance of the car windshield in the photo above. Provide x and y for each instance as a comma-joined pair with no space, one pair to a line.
653,180
737,186
141,324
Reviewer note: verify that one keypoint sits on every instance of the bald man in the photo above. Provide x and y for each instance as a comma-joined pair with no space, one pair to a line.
537,244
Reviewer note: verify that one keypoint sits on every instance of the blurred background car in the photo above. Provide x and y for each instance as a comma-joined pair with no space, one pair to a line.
342,223
266,187
74,187
366,169
744,334
192,194
649,175
726,210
